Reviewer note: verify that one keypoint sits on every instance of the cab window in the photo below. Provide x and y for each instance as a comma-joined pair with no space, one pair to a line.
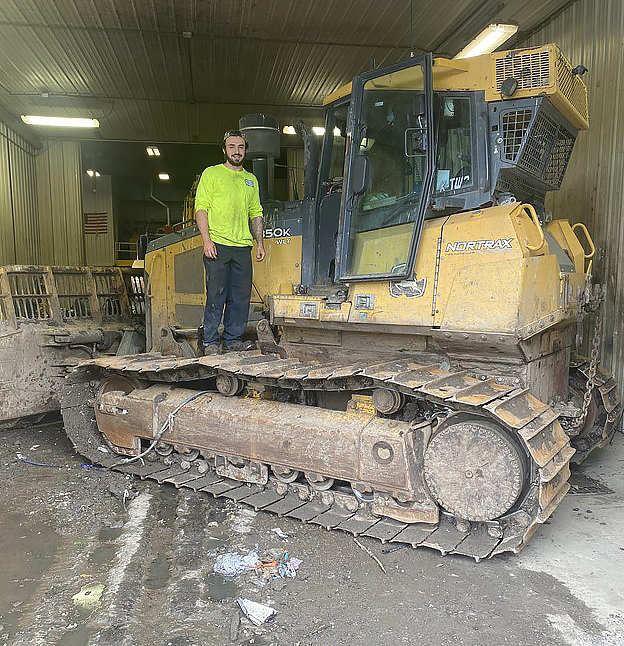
454,167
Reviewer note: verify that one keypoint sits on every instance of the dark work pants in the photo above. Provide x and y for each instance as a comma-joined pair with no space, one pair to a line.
228,283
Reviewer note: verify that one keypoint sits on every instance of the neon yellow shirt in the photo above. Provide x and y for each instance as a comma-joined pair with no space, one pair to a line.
230,199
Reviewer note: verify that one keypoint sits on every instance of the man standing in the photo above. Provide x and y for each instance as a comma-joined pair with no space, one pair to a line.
228,213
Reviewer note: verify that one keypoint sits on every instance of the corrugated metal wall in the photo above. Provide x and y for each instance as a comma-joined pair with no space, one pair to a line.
591,32
97,198
59,191
19,234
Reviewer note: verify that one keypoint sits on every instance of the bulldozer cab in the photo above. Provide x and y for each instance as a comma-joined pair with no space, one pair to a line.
402,148
426,138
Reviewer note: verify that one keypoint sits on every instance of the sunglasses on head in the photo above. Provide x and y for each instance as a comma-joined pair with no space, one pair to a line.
235,133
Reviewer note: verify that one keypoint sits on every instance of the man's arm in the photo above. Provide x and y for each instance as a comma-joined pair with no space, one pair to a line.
257,231
203,202
202,224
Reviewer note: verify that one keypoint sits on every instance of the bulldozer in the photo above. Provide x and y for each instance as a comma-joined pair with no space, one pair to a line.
418,319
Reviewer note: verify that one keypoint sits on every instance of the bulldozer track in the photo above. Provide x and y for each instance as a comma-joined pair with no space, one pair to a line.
532,423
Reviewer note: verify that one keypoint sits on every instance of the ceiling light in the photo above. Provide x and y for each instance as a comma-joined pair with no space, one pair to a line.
152,151
65,122
492,37
164,176
92,173
318,130
289,130
337,132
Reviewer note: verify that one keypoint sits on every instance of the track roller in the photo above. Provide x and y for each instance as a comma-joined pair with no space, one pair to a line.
319,482
229,385
284,474
387,401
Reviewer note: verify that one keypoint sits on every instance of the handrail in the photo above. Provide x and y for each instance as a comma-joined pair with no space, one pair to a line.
586,256
538,226
587,237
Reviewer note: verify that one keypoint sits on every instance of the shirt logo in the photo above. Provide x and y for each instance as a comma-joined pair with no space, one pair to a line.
249,182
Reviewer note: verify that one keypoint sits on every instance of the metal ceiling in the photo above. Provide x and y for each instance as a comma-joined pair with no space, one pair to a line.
185,70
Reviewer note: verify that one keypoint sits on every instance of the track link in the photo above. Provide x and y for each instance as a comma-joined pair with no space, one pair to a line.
530,421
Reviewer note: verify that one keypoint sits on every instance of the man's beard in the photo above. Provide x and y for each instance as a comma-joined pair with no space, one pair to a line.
235,162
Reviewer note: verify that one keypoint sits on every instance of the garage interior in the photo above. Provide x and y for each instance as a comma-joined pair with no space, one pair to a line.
165,79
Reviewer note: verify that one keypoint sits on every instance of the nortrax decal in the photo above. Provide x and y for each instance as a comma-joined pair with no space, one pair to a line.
502,244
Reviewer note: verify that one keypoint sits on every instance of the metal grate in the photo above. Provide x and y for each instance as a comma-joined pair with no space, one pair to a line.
515,126
559,157
109,290
135,285
74,295
572,86
539,144
31,299
531,69
523,190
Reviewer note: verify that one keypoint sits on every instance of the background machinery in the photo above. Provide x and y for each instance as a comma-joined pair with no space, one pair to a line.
52,317
416,377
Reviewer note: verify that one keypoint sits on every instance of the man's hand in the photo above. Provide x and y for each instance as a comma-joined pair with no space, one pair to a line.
210,250
260,252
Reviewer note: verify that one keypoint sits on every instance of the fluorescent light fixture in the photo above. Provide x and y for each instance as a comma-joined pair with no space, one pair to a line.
152,151
163,176
491,38
64,122
317,130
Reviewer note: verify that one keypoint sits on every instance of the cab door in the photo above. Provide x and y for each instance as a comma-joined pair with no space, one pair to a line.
390,167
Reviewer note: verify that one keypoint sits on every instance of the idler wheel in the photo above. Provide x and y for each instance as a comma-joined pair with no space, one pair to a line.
119,383
474,470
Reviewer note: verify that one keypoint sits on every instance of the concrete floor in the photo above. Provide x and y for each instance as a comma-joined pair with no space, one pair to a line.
146,567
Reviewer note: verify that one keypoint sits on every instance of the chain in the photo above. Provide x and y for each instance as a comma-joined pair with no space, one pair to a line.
593,363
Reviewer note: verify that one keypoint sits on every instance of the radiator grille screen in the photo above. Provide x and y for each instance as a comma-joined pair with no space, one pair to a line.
531,69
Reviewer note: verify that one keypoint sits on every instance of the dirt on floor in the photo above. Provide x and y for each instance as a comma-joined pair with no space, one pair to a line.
91,557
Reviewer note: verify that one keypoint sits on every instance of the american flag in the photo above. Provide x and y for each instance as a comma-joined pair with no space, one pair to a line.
96,223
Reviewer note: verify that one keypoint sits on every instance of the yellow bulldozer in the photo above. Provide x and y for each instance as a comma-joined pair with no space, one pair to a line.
418,316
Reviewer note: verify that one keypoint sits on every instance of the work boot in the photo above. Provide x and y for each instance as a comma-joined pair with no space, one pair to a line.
239,346
210,349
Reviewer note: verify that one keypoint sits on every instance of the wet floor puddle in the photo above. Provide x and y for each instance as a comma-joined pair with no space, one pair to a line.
28,549
219,588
